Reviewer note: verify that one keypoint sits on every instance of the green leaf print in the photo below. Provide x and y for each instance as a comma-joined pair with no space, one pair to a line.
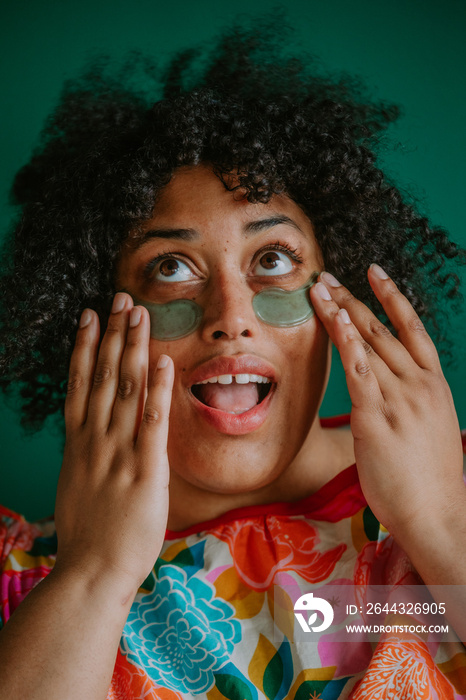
149,583
310,689
371,524
232,687
183,559
273,676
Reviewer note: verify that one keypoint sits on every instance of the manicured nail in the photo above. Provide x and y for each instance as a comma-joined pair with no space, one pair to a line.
344,315
322,291
118,303
135,316
163,361
378,271
330,279
86,318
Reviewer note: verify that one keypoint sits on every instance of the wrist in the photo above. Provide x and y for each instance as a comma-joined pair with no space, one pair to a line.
95,583
434,542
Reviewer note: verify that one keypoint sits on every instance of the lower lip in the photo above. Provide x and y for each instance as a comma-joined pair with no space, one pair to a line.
230,424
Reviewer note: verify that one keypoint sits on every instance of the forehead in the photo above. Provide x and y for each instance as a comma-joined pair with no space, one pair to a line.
196,193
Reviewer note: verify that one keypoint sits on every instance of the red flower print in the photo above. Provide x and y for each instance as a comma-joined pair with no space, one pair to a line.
263,546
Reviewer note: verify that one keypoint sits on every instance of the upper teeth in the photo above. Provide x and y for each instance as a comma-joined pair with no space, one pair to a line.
240,379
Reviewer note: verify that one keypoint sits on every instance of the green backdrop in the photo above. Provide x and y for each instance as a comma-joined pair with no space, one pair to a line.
411,52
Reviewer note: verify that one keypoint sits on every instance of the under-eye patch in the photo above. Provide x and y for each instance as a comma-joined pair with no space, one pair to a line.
173,320
274,306
280,307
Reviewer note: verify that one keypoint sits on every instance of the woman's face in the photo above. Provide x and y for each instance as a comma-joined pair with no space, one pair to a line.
208,244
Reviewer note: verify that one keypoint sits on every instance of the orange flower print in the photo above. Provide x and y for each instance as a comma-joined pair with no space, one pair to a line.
261,547
129,682
403,669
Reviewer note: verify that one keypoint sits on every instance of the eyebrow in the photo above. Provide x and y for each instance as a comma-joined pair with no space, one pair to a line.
190,234
264,224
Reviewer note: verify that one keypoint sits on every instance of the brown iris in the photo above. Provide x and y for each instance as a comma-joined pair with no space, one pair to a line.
270,260
169,267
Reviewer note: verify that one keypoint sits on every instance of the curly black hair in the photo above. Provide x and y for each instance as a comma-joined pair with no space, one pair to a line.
244,106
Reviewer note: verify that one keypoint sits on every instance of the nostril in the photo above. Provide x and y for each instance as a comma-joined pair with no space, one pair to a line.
218,334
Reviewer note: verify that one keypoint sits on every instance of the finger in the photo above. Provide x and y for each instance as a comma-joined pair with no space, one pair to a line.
363,385
374,332
153,431
409,327
327,310
107,369
82,364
131,392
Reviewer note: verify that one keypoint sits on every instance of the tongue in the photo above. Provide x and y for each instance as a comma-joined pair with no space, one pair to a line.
233,398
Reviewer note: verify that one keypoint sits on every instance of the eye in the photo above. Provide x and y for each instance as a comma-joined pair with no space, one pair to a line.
171,270
273,262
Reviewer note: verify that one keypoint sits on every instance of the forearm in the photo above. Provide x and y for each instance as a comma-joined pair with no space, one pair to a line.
110,515
436,548
62,640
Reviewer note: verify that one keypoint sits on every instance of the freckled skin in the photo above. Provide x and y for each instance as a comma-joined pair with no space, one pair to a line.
269,461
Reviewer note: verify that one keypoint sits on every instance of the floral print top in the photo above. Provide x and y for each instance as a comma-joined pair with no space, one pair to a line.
202,624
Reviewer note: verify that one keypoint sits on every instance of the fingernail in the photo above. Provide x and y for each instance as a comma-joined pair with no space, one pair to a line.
135,316
344,315
322,291
163,361
378,271
118,303
86,318
330,279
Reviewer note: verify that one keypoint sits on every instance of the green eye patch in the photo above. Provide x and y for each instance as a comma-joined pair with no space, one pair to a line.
279,307
274,306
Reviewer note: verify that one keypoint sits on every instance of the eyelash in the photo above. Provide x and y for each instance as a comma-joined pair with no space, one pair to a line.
284,247
163,256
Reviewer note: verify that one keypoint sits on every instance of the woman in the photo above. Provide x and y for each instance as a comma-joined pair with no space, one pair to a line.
195,442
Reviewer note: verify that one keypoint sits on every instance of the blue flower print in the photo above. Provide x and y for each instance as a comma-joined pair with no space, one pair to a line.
180,633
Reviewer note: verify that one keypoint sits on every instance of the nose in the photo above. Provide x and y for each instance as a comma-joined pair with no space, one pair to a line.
228,312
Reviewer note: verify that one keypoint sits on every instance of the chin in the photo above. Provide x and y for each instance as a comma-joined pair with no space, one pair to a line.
234,468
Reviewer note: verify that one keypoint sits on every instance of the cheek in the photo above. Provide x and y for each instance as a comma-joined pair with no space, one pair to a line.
304,347
178,350
307,363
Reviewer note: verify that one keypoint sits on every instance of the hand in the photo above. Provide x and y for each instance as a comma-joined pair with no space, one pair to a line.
112,500
406,435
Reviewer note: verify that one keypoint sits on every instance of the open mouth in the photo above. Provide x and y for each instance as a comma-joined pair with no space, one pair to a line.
233,393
